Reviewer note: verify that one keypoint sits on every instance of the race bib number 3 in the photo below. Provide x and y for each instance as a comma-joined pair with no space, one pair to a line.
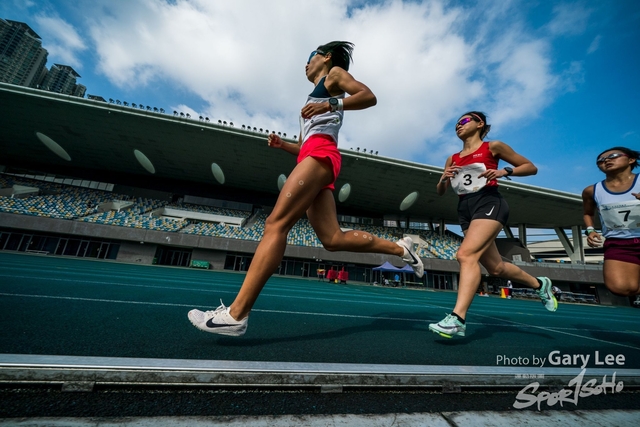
467,180
621,216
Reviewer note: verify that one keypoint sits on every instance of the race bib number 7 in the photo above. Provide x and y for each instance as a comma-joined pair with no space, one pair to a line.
621,216
467,179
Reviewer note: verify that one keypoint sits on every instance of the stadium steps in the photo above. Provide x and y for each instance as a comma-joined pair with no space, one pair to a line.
186,228
252,218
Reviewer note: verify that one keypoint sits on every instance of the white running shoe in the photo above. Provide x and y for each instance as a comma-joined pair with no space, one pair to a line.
448,327
546,295
218,321
410,257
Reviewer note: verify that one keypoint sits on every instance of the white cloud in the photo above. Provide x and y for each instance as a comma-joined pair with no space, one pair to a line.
595,44
569,19
11,8
573,76
514,67
246,60
61,40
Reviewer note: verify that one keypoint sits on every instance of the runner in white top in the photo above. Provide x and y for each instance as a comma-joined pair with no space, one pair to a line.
617,201
309,188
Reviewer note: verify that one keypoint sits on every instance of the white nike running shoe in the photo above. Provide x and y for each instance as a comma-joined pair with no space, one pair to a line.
448,327
218,321
410,256
546,294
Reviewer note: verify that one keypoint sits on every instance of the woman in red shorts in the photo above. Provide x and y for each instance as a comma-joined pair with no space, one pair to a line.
473,174
617,201
308,189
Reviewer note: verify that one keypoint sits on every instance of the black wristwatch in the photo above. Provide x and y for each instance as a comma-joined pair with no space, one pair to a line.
509,170
333,103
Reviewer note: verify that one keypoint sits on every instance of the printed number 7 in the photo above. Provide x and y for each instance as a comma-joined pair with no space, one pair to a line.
626,216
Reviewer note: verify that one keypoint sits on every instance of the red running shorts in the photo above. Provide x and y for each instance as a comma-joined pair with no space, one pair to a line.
324,149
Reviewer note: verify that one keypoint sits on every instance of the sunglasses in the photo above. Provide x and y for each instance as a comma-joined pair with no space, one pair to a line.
464,121
314,53
611,156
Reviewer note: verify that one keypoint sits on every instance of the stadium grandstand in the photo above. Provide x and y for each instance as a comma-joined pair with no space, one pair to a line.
88,178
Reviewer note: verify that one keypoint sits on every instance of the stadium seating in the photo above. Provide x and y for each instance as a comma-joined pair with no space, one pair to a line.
236,213
54,200
79,203
135,220
252,232
302,234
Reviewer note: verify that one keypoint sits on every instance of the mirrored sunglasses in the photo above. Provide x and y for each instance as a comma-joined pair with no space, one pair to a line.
463,121
314,53
611,156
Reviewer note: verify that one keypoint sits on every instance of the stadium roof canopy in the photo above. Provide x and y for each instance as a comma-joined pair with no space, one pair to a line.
88,139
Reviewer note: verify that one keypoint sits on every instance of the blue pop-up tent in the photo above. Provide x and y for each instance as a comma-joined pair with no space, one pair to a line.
387,267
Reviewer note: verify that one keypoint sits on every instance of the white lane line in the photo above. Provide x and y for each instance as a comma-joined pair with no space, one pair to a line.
557,330
191,305
515,325
387,299
65,278
235,290
209,281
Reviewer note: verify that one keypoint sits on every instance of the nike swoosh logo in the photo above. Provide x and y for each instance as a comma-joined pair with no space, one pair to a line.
415,261
490,211
210,324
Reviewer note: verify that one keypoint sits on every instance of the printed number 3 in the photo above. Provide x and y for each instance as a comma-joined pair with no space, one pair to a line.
468,180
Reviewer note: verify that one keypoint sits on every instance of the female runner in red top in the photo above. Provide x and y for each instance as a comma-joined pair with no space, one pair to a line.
473,174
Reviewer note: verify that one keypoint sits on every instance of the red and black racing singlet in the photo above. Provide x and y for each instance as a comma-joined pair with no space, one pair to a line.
482,156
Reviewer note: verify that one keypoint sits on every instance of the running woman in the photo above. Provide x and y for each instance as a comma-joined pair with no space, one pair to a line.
309,187
617,200
473,174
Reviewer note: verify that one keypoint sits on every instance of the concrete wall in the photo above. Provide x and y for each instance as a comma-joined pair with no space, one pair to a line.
139,253
216,258
607,298
510,247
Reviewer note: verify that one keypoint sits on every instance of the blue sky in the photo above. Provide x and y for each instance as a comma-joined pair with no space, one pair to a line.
558,80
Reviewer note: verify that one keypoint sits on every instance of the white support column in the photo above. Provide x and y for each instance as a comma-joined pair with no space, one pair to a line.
508,232
578,244
575,255
522,234
564,239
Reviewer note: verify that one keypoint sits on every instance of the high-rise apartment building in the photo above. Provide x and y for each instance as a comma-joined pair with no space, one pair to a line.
22,57
23,62
62,79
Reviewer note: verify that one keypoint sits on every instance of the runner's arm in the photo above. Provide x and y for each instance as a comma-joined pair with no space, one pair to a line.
276,142
449,171
340,81
521,165
589,208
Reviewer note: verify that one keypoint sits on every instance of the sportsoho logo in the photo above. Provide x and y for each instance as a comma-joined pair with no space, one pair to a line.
527,396
576,388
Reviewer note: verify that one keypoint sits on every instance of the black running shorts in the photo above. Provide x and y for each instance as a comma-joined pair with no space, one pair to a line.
487,203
